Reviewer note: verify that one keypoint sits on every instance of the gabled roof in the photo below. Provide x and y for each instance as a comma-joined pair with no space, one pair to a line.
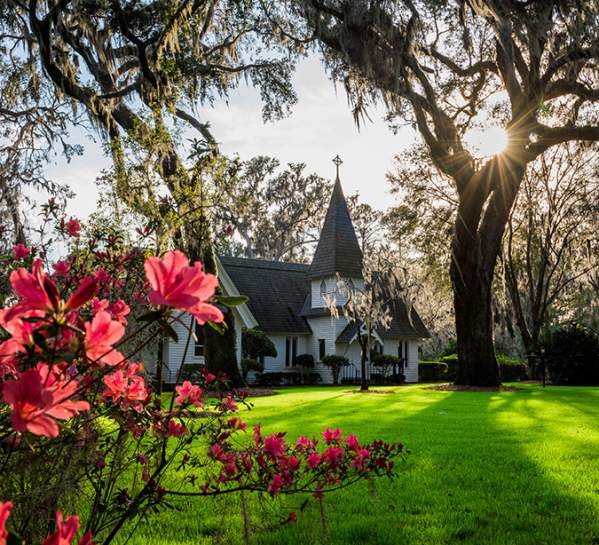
402,325
338,251
276,292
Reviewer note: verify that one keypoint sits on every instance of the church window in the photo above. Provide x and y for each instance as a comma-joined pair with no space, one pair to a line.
290,351
323,288
402,351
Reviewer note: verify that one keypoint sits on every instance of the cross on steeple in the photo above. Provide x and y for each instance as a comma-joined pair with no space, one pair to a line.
337,160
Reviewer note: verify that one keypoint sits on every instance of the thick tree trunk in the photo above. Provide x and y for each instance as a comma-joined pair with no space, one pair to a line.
220,351
485,203
474,330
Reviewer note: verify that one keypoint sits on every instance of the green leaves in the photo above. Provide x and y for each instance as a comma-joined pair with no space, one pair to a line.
218,327
231,301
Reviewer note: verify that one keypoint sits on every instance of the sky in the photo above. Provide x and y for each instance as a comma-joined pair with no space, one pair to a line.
320,127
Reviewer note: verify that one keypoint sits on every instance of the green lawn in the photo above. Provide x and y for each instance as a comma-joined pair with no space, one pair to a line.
502,468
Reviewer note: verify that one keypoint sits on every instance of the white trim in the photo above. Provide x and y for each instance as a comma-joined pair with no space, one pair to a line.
227,284
374,335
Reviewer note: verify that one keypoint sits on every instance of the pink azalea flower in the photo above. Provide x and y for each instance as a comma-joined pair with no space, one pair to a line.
209,377
332,435
236,424
175,430
290,464
174,283
21,251
313,460
292,518
359,460
66,531
188,394
304,443
103,276
228,405
5,508
119,309
126,389
61,268
352,442
275,445
275,485
37,291
99,304
21,333
100,335
73,228
333,455
38,398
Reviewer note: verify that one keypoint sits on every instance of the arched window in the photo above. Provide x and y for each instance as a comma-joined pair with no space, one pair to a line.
323,288
350,285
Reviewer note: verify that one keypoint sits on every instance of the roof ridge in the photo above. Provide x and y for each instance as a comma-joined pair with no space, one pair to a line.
263,263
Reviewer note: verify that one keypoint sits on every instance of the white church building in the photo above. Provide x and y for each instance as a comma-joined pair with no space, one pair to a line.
287,301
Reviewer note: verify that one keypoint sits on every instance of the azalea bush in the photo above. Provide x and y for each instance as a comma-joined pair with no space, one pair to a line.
82,431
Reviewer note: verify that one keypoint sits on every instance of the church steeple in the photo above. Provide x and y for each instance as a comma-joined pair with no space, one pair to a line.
338,251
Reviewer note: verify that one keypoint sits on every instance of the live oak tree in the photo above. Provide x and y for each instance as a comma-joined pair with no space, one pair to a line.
446,66
139,71
367,223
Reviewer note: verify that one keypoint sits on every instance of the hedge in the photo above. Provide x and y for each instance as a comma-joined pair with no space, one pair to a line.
432,371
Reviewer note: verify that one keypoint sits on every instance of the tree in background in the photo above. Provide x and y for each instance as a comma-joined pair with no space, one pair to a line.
277,214
367,223
550,248
418,229
445,67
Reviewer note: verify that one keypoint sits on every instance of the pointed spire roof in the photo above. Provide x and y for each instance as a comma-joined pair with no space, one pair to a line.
338,251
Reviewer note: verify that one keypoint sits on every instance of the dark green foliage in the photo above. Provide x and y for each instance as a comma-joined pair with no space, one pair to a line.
572,356
432,371
450,349
335,363
304,360
256,344
388,370
451,360
191,372
249,364
512,369
385,360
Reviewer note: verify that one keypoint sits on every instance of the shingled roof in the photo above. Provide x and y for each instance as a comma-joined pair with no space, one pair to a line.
402,325
279,293
338,251
276,292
